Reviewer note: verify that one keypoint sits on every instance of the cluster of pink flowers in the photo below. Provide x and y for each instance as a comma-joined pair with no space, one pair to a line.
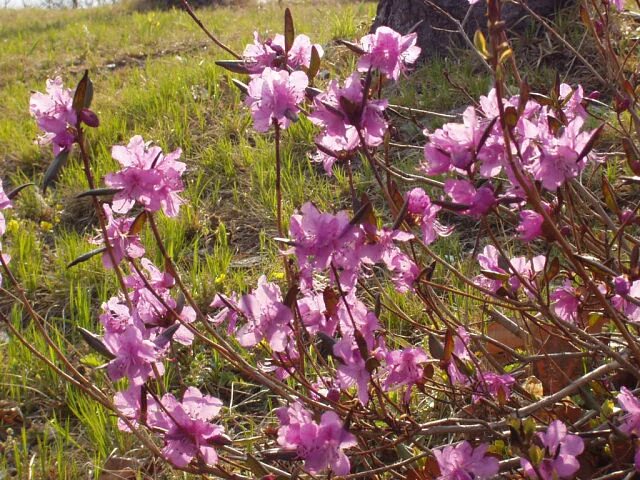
334,254
463,462
475,152
147,177
186,426
274,97
348,118
56,116
319,444
270,53
509,275
388,52
138,337
345,119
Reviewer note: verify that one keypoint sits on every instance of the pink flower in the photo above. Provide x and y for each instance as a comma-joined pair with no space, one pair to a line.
274,97
267,317
300,52
566,302
55,115
270,53
489,262
559,159
341,114
315,316
463,462
561,449
530,226
129,404
4,204
492,385
630,404
385,250
424,212
388,52
462,192
116,316
352,369
148,177
462,354
134,356
319,445
321,239
623,290
123,243
189,432
404,367
456,145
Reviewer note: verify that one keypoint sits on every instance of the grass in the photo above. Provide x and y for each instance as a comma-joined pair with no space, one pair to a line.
154,75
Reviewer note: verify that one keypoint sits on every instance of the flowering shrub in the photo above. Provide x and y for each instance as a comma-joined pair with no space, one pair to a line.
453,393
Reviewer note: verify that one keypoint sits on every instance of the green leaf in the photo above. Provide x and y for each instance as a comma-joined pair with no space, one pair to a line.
54,169
95,343
99,192
14,193
234,66
243,87
87,256
354,47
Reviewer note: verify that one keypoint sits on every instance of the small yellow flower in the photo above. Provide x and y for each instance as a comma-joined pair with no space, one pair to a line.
278,275
13,226
220,279
46,226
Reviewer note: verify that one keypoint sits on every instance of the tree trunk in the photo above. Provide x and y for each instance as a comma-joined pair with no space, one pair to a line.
436,32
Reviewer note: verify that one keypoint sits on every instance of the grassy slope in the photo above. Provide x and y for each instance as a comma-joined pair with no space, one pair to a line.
154,75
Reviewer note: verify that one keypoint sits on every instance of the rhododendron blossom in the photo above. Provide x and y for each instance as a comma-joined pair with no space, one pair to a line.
320,445
404,367
188,429
344,118
566,302
5,203
55,115
274,97
271,53
477,202
463,462
561,449
122,242
530,226
630,404
147,177
267,317
388,52
493,386
424,212
134,356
